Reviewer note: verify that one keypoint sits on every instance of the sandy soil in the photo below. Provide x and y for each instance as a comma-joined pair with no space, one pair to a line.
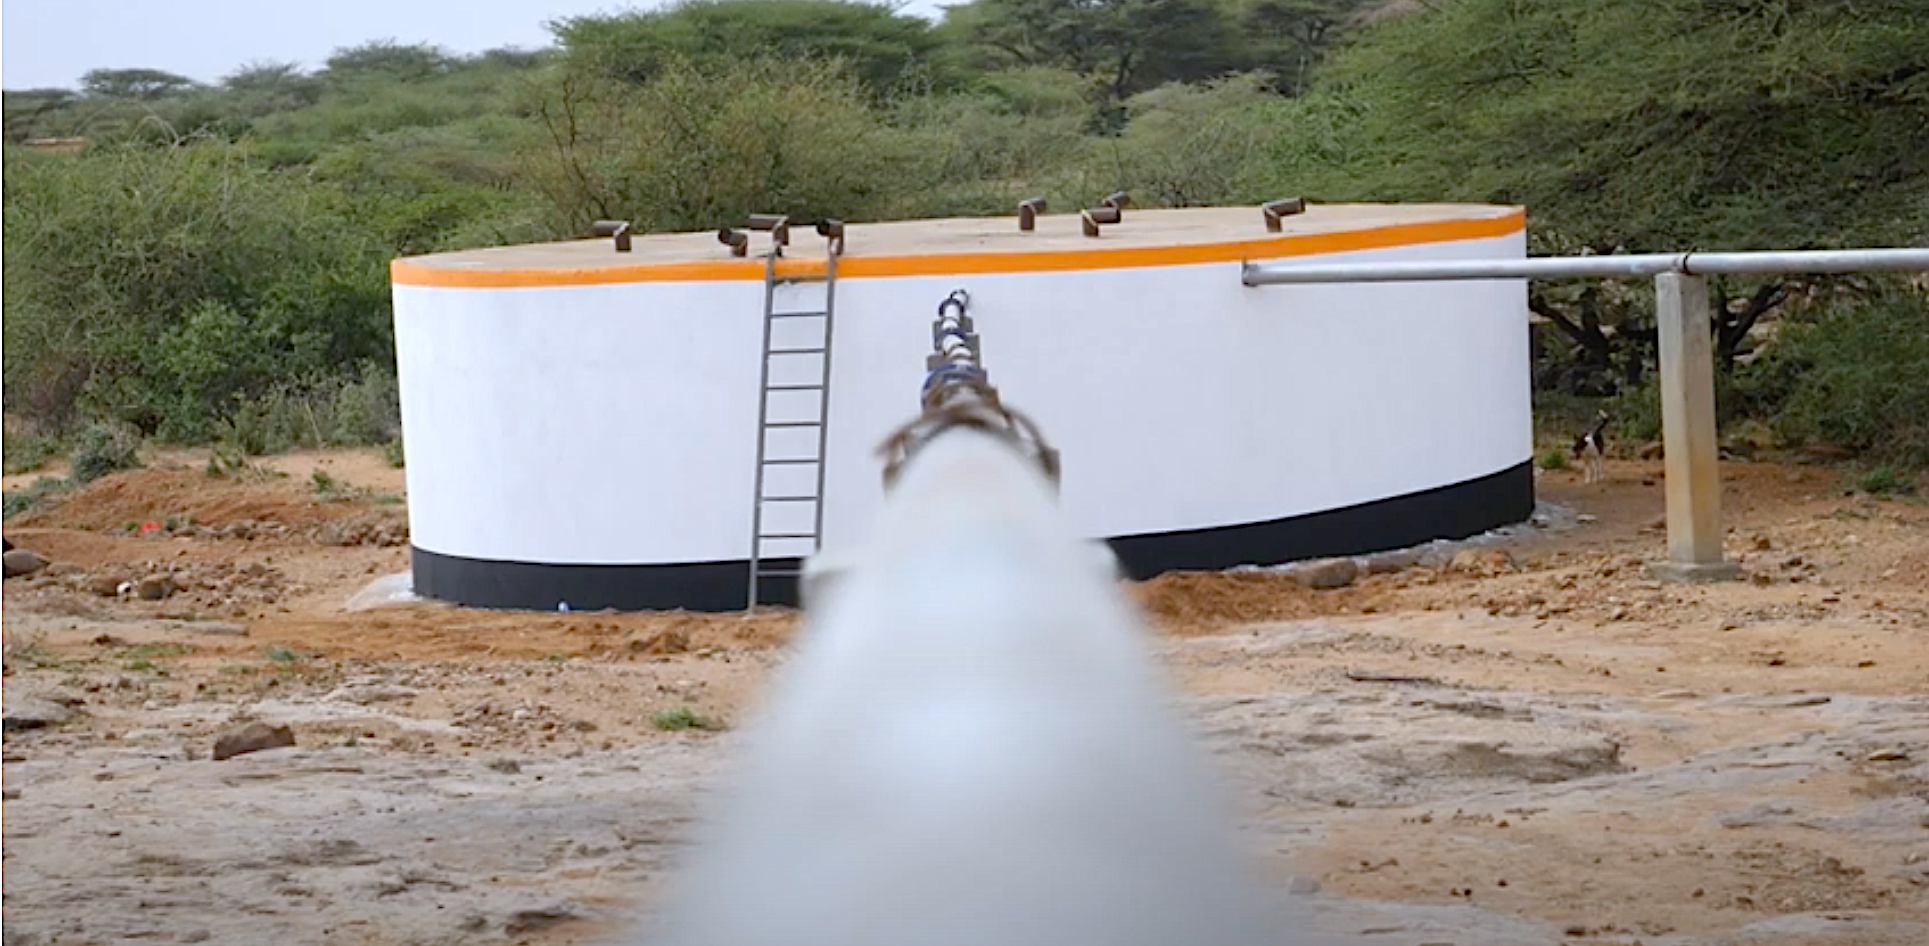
1517,741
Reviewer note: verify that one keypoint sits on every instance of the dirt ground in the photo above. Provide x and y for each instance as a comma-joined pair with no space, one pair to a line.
1517,740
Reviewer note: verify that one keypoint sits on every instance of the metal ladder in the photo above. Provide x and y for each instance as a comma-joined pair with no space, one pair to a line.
796,491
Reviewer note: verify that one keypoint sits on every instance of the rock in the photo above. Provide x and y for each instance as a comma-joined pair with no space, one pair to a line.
1889,755
22,562
253,737
155,587
524,922
365,693
1327,573
1385,563
1466,560
672,641
506,766
28,711
106,586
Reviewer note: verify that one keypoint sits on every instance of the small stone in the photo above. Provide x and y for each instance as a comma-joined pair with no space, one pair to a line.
106,586
1385,563
155,587
1889,755
663,642
1575,930
26,711
21,562
253,737
1327,573
506,766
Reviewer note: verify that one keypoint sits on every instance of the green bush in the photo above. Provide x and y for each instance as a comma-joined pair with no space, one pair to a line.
27,452
694,149
1859,377
20,500
159,286
102,449
1884,479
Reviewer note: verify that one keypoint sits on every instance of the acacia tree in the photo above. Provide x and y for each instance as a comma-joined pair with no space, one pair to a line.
1127,45
1645,125
133,83
885,49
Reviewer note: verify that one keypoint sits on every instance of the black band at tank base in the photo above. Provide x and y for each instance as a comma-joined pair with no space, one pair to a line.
1445,512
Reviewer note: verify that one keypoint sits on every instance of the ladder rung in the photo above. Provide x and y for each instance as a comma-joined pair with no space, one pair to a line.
792,461
793,423
795,351
798,315
788,535
789,499
795,387
779,573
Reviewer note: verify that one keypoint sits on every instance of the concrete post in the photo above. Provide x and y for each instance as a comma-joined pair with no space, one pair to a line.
1688,433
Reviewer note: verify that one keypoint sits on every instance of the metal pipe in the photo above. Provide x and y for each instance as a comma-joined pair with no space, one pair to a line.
1572,267
1273,211
1028,212
777,224
1090,220
620,229
832,230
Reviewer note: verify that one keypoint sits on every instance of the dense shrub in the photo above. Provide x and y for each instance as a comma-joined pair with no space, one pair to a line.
155,286
695,148
1858,378
102,449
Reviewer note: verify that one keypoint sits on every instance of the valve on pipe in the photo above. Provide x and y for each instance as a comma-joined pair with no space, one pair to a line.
958,392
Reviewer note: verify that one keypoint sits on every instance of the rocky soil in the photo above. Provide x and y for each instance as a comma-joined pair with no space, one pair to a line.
1520,740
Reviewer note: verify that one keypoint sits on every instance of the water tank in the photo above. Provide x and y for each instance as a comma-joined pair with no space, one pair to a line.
583,424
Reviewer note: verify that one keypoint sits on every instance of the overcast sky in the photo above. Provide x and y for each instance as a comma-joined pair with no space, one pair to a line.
51,42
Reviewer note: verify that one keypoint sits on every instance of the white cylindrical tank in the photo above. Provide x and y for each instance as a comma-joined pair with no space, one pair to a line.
583,425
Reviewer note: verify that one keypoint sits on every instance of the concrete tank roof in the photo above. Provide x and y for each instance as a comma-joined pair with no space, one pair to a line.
972,244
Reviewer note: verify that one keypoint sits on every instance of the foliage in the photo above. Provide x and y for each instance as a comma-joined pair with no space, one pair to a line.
1672,124
132,83
1884,479
26,452
218,279
1858,377
102,449
695,148
1199,145
884,49
20,500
